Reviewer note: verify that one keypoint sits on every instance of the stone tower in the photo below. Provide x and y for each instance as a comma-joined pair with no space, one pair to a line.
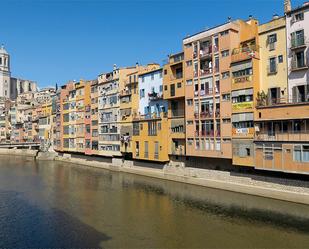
5,73
287,6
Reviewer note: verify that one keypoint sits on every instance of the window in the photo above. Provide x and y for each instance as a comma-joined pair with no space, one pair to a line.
189,63
172,90
190,141
301,153
280,58
142,93
165,88
152,128
225,53
160,74
189,82
299,60
143,79
179,85
272,67
161,88
159,126
0,61
189,102
225,75
226,97
190,122
152,76
141,127
299,17
146,149
226,120
135,129
226,32
165,71
271,40
188,45
156,153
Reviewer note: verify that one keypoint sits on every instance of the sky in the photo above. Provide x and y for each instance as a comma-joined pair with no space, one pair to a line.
55,41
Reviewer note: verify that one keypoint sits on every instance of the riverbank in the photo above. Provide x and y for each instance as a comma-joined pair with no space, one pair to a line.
276,188
19,152
264,186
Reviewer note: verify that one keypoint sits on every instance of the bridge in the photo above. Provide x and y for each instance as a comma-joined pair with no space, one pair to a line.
26,145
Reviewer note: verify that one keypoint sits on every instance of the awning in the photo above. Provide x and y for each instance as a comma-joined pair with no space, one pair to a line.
242,117
242,92
241,66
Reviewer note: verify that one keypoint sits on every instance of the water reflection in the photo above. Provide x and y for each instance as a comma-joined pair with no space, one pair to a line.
53,204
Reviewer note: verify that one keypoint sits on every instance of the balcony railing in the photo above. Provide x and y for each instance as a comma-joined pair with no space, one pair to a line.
298,42
283,136
155,96
205,133
206,114
205,51
299,64
205,71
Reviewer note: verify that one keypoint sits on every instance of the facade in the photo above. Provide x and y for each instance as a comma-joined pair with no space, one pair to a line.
281,142
94,118
174,93
129,104
150,141
109,85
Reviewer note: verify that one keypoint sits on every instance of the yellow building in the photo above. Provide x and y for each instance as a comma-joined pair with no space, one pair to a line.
45,124
273,64
174,93
245,86
129,102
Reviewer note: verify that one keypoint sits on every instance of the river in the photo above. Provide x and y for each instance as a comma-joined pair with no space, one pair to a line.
56,204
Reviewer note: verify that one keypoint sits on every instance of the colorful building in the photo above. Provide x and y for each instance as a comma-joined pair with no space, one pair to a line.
174,93
150,124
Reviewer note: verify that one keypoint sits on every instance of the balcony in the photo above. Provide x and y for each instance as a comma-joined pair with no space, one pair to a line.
205,133
124,93
297,65
243,132
244,53
155,96
206,114
176,58
284,136
205,71
298,42
178,151
205,51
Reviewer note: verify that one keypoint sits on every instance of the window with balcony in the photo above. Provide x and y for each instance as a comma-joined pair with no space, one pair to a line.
298,61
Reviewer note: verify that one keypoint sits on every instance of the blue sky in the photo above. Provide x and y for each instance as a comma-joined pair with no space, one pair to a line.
55,41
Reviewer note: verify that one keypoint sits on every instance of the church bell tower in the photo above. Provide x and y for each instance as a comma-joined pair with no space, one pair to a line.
5,73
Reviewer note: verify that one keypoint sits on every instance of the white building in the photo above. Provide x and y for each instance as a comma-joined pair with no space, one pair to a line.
297,30
151,101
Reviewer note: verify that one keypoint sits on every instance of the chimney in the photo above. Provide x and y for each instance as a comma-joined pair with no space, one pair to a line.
250,17
287,6
229,19
136,64
115,67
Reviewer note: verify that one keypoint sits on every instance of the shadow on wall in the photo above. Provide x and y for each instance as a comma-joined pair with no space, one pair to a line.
24,226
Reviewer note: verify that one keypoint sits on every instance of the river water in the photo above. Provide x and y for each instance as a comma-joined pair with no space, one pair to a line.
55,204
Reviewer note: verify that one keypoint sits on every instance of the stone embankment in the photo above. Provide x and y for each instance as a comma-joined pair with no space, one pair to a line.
19,152
265,186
